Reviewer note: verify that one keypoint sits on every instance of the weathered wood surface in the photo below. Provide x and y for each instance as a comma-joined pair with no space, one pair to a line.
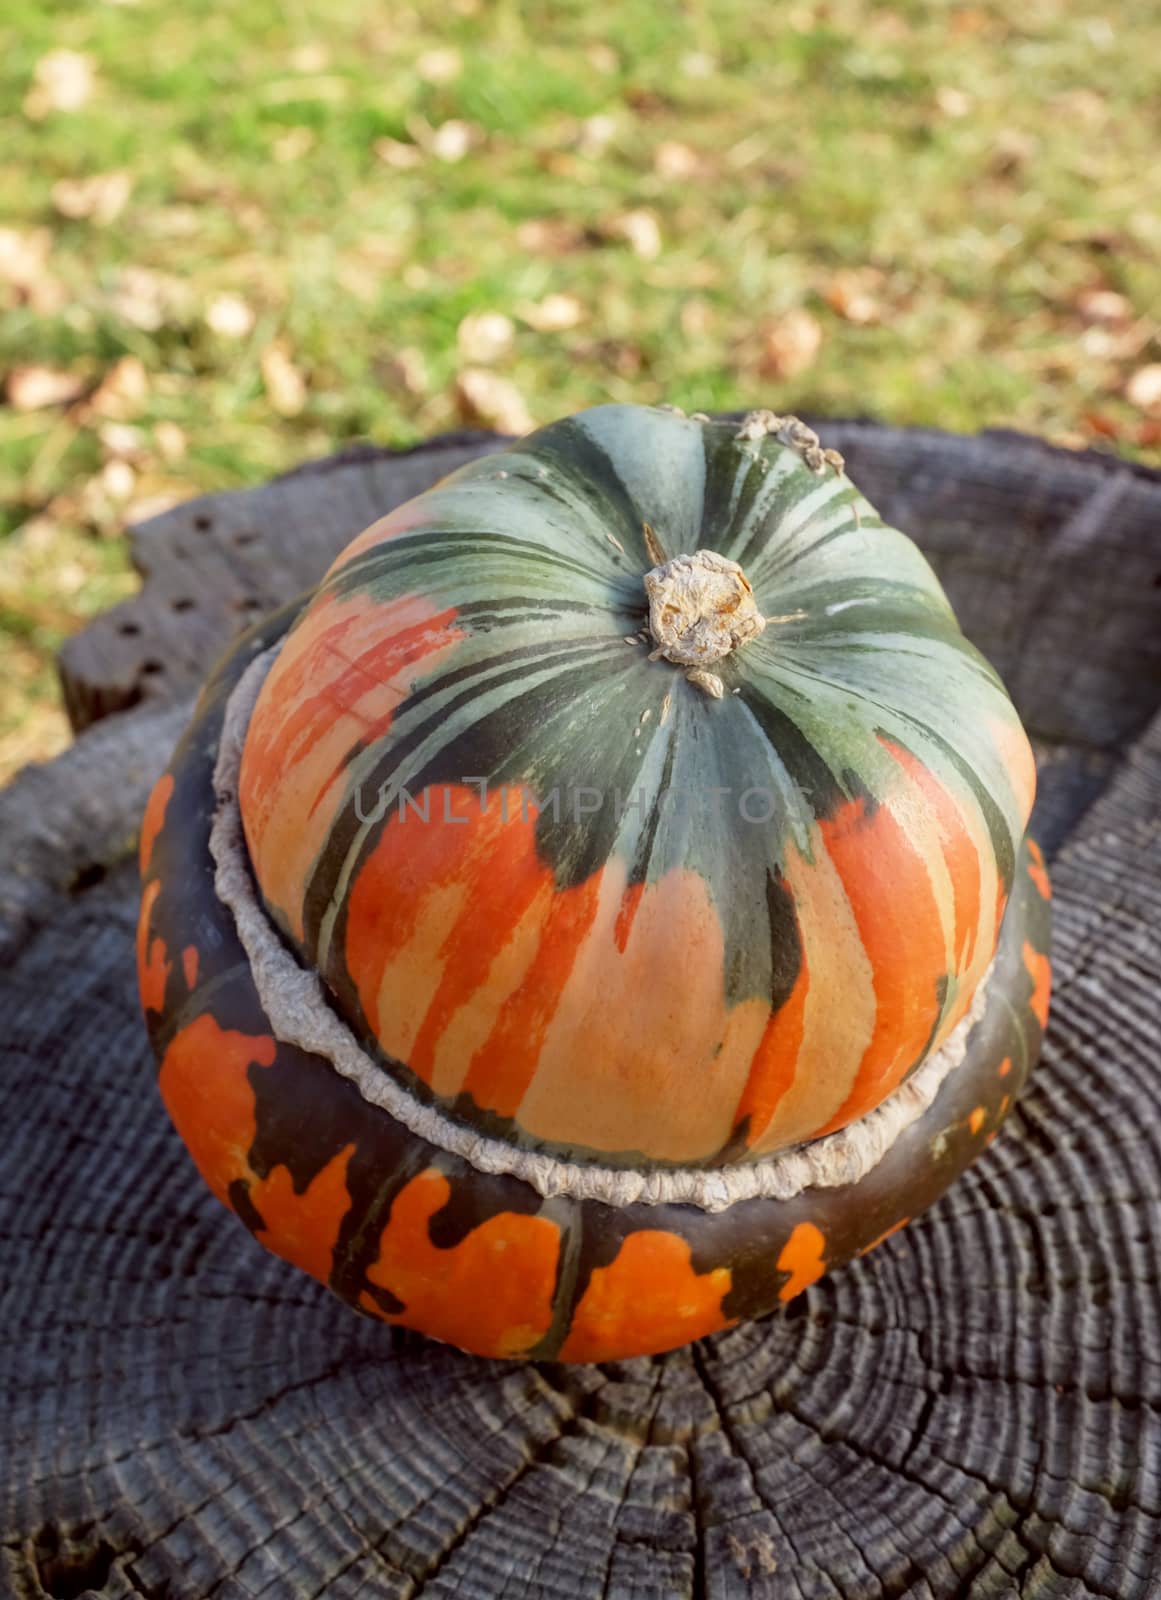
974,1410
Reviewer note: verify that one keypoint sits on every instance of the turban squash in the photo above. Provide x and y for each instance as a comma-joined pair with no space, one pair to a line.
603,904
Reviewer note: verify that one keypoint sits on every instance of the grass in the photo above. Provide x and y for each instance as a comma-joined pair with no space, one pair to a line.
938,214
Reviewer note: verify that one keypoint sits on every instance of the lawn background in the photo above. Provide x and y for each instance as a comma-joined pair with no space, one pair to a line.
234,236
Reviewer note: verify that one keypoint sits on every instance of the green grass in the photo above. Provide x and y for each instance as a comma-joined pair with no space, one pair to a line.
986,167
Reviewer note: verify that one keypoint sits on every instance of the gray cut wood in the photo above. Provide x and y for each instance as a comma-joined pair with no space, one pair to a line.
972,1410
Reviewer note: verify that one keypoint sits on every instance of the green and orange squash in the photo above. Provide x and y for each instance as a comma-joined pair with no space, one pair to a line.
603,904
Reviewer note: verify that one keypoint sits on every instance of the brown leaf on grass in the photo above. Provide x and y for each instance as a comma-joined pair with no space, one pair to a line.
63,80
1104,306
395,153
696,64
117,478
851,292
293,145
698,318
229,316
406,370
310,58
439,66
639,230
24,259
485,336
149,300
1012,152
595,134
954,102
452,140
603,59
1101,424
550,236
121,440
170,441
790,344
676,161
122,391
966,20
23,256
154,495
99,199
1143,389
483,397
556,313
35,388
285,387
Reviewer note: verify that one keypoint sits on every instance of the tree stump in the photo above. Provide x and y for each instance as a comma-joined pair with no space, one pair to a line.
974,1409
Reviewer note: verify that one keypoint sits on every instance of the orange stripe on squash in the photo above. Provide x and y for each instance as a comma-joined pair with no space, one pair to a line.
803,1257
153,964
205,1085
776,1059
339,683
304,1228
1040,971
647,1300
1020,764
891,896
491,1293
1036,870
959,852
207,1093
154,819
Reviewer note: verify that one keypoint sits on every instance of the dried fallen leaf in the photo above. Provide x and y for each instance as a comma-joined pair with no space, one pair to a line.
550,236
1011,153
452,140
170,440
99,199
696,64
485,336
24,270
596,134
556,313
697,318
397,154
406,370
604,59
954,102
23,255
153,496
483,397
850,293
639,230
442,65
117,479
121,439
1104,306
791,344
293,145
34,388
310,58
122,390
63,80
285,388
1103,425
229,316
676,161
1143,389
148,300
